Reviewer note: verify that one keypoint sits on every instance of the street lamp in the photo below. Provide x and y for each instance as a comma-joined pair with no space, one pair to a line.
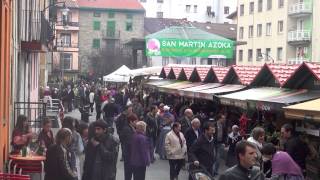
266,55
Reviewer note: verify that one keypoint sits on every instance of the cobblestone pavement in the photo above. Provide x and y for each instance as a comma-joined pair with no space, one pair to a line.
159,170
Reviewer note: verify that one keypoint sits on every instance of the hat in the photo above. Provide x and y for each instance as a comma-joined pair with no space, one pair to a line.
132,117
235,127
166,108
112,100
100,123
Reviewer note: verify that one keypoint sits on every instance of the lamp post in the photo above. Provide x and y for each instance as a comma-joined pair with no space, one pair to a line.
267,56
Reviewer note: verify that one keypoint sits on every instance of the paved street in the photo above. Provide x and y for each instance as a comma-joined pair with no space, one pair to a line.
157,171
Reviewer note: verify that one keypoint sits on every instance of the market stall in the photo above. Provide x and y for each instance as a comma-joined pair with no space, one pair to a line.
210,93
189,92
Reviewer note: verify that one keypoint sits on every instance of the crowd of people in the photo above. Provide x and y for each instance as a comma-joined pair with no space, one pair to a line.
142,127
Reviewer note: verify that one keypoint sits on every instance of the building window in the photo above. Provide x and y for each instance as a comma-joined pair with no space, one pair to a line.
96,25
160,1
65,40
241,9
204,61
178,60
280,3
269,4
251,8
268,54
209,12
193,60
96,14
250,54
280,26
143,0
129,26
250,31
279,54
165,61
188,7
260,5
159,14
240,55
129,16
96,43
226,10
195,8
241,33
259,30
111,15
66,60
268,29
258,55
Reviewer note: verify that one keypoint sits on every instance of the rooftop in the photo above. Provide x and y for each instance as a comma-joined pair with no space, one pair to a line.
133,5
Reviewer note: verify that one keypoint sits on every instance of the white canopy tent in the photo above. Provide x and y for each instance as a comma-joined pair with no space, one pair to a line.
119,75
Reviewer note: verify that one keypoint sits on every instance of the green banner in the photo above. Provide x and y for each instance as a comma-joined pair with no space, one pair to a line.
190,48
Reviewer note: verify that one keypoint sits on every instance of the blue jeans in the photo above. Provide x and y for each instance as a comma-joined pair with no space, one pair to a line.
219,154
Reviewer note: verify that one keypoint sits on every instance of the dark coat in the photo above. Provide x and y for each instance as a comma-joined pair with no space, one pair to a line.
57,165
140,151
191,137
110,110
152,129
298,150
185,124
107,151
126,140
239,173
224,133
203,151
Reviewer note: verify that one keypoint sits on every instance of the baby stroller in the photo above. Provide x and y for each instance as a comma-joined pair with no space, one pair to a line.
84,110
199,173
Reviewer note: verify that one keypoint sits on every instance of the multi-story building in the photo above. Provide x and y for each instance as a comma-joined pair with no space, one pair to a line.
5,77
278,31
65,63
214,11
107,24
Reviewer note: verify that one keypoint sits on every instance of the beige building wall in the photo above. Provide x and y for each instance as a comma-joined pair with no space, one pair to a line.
316,32
273,41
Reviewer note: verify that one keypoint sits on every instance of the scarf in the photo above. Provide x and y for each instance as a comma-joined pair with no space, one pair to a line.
180,140
282,163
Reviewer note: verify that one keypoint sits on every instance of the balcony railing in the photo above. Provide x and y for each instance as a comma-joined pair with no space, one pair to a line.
300,8
35,27
67,45
299,35
297,60
111,34
75,24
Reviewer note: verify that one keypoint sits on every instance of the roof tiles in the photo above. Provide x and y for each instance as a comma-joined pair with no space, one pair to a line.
202,72
282,72
188,71
176,70
246,74
167,70
111,4
220,72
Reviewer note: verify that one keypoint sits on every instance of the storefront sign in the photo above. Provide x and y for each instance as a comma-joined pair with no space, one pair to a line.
189,48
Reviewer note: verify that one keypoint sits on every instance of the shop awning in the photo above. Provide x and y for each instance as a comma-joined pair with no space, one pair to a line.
308,110
159,83
173,88
239,99
209,93
289,98
189,92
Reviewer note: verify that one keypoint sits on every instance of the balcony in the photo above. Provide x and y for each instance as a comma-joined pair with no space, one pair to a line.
299,37
297,60
66,47
73,26
36,31
111,35
300,9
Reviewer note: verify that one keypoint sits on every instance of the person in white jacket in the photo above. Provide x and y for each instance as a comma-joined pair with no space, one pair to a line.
176,149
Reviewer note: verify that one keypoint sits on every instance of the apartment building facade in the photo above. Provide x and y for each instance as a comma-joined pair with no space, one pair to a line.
214,11
65,63
277,31
107,26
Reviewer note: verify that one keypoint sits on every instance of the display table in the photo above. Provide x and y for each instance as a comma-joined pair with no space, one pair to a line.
28,164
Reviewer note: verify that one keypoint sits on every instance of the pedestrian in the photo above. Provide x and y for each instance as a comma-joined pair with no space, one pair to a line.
21,135
126,137
110,112
91,100
202,152
101,154
283,166
221,135
152,129
98,102
193,133
185,121
176,149
69,98
140,152
57,163
83,130
76,147
45,137
233,138
246,153
294,146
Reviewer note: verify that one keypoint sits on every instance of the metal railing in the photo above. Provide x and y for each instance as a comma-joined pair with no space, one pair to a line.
67,45
297,60
68,23
301,7
299,35
107,34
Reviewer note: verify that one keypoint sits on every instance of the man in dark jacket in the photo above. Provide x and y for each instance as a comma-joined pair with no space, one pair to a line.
110,111
220,137
152,129
193,133
57,164
245,169
101,155
203,150
185,121
126,138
